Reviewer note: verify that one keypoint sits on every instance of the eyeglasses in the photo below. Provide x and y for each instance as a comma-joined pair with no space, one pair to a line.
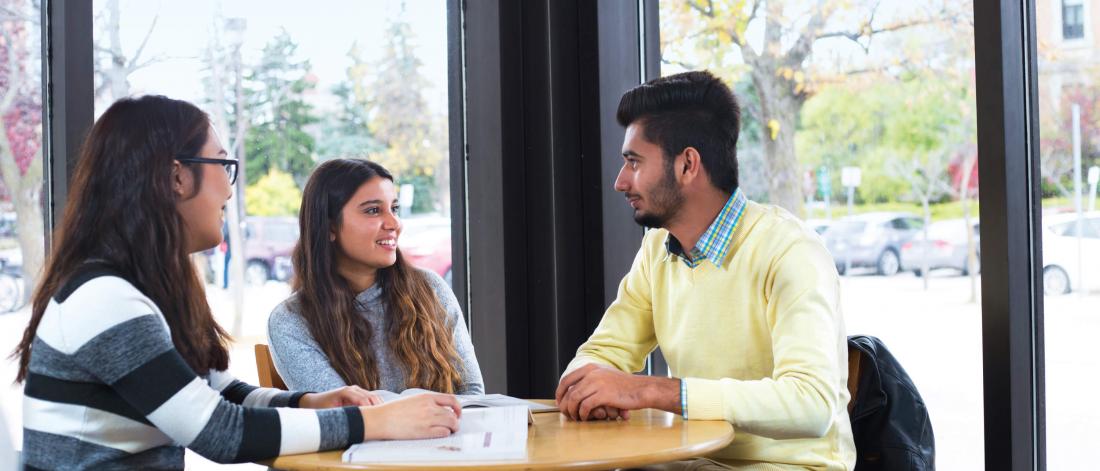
229,164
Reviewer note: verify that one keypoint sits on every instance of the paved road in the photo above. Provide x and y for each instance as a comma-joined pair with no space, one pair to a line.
936,334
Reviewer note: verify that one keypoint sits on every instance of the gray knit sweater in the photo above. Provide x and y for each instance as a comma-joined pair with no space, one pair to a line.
305,367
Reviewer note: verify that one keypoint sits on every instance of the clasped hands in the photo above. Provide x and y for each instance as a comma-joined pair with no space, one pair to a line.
600,392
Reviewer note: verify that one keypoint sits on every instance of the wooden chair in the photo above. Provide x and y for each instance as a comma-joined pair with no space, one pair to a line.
269,376
855,357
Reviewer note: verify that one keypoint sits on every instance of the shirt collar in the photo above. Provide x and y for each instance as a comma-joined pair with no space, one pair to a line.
716,241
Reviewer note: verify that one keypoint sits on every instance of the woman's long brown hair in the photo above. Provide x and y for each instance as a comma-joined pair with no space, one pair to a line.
121,211
417,331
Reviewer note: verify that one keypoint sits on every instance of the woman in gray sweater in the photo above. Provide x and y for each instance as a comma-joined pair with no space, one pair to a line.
360,314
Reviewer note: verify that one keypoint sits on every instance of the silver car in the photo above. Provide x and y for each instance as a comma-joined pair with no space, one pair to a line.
871,240
946,247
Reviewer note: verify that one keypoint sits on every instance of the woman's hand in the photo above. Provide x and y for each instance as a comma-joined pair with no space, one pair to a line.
419,416
340,397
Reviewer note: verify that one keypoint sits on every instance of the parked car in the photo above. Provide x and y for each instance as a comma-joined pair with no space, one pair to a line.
13,293
819,225
426,242
1064,268
9,225
945,248
871,240
268,244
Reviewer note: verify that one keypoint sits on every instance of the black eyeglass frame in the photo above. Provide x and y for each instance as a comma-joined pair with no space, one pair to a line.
225,162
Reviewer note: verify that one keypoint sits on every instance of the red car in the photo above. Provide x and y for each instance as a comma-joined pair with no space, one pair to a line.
425,241
268,244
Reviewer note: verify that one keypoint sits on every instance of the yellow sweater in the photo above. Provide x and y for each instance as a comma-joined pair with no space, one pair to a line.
759,341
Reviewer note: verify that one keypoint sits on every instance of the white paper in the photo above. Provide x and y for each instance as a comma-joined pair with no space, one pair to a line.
474,400
493,433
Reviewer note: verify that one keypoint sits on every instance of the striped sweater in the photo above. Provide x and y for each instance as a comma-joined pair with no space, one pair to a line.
106,389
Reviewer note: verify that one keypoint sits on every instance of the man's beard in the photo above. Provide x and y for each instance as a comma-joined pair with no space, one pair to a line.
665,200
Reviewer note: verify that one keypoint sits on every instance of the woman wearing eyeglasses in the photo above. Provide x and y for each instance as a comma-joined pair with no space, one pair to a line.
123,362
360,314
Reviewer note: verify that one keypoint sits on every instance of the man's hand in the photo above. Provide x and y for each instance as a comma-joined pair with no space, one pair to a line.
340,397
601,392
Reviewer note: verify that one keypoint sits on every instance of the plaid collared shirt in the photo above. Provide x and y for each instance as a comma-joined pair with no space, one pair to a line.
715,242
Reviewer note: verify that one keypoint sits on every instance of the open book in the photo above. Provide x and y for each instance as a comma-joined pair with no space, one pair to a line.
492,433
475,400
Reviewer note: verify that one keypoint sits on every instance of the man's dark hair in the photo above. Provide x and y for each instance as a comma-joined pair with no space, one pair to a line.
691,109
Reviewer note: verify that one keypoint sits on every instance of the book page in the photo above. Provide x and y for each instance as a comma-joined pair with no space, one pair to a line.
500,400
474,400
484,434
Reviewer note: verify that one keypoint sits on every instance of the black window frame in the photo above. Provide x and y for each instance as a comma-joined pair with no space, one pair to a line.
1011,241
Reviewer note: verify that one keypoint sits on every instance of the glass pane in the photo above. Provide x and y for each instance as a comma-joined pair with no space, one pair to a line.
22,229
1073,26
290,85
860,118
1069,135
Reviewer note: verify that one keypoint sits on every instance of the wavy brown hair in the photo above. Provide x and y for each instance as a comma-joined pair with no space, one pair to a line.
122,198
416,323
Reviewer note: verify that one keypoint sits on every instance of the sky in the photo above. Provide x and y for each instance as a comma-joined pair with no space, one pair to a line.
323,29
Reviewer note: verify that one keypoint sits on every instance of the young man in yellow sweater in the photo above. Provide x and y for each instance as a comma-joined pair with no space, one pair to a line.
742,299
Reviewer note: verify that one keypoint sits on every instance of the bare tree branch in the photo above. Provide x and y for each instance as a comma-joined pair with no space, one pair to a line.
681,64
707,11
150,61
13,73
752,14
7,13
868,31
144,41
805,43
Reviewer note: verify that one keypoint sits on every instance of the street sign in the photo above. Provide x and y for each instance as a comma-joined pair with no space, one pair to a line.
824,183
405,198
850,176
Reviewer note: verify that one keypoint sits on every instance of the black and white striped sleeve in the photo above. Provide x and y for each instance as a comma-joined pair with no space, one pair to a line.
118,335
240,392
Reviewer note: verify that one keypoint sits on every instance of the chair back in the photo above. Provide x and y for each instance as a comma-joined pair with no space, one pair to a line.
269,376
855,357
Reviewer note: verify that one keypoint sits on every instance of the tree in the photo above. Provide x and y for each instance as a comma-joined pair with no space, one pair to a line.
347,132
278,137
274,194
1056,134
779,64
401,121
114,67
21,118
933,130
226,100
843,126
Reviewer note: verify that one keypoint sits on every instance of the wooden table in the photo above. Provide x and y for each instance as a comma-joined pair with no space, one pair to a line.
554,442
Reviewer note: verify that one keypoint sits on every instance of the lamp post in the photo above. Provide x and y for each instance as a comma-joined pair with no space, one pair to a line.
850,177
1094,177
234,35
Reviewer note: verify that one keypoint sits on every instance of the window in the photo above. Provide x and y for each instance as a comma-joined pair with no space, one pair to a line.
287,90
897,104
1068,147
1073,19
22,223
